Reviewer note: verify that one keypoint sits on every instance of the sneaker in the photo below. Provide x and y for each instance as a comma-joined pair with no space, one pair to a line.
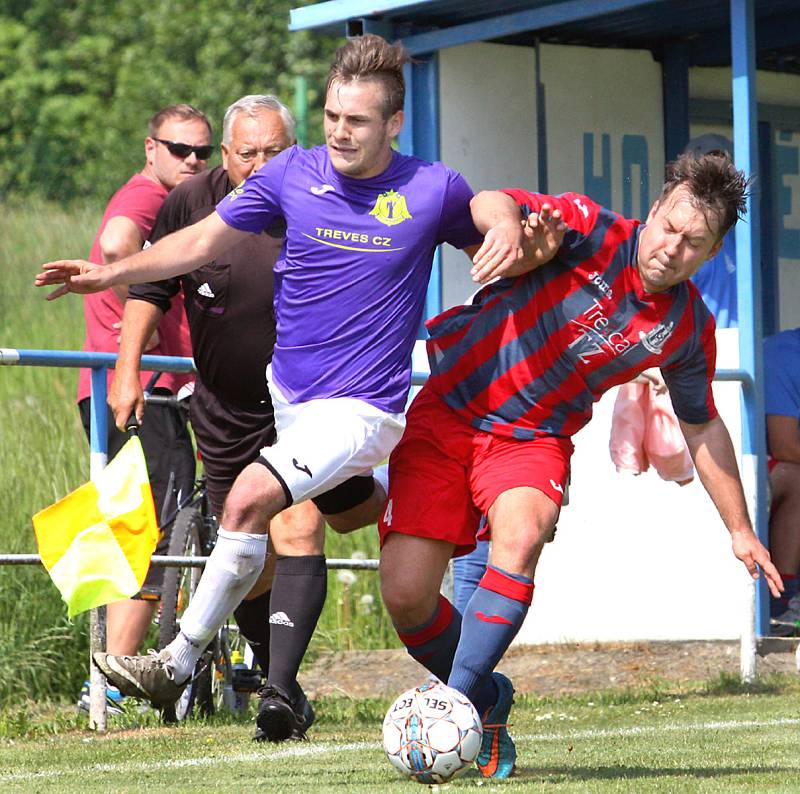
114,699
281,718
149,677
498,754
787,624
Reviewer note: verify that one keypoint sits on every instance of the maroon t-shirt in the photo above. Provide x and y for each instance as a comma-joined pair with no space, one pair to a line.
138,199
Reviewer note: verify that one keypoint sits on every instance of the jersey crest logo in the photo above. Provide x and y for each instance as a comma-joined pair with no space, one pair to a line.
237,191
654,340
390,208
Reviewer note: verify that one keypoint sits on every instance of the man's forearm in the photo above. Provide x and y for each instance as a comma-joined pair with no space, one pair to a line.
139,322
491,208
177,253
712,452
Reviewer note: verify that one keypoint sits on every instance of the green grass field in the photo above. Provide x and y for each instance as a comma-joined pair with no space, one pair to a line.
623,742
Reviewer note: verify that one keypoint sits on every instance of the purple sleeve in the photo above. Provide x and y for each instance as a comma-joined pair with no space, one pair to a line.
255,205
455,225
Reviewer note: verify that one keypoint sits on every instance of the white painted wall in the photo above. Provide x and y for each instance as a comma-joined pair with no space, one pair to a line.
771,88
601,92
786,172
488,130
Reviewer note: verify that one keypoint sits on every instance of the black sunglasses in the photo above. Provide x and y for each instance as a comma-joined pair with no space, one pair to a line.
183,150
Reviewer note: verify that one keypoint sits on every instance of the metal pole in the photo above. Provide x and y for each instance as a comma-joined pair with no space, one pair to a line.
98,443
748,271
301,109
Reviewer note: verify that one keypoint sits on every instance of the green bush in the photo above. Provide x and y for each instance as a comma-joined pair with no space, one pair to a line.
78,81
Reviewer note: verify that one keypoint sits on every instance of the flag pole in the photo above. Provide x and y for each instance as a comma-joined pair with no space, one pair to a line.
97,617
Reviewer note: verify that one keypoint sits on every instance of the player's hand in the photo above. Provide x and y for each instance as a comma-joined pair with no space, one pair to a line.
544,233
75,275
125,397
503,254
653,377
749,549
502,249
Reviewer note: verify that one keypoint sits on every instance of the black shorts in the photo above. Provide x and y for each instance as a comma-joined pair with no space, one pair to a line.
229,438
167,448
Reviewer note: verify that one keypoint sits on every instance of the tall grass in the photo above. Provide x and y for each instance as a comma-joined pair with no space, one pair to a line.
42,449
44,455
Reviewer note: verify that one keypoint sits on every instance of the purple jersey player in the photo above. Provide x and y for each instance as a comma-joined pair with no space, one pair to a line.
362,224
351,279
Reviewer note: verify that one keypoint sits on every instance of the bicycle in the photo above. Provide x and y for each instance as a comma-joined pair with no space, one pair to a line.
224,677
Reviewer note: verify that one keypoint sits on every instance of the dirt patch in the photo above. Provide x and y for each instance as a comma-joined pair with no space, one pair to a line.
552,669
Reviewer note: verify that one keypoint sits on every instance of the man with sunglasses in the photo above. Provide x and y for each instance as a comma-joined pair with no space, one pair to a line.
177,147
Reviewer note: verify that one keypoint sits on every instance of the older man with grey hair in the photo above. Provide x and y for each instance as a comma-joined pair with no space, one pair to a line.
229,308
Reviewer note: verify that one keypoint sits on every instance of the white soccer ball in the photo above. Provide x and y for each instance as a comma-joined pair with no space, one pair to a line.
432,733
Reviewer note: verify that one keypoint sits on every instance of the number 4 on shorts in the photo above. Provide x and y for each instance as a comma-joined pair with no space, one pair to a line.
387,516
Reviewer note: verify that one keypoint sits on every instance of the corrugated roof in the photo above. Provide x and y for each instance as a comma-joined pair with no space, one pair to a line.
645,24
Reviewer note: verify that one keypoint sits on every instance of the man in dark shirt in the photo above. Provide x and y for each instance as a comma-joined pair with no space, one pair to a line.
229,307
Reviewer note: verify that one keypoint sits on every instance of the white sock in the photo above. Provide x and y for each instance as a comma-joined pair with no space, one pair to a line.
231,570
184,653
381,475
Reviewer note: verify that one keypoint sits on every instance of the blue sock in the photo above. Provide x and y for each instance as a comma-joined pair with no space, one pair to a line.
433,643
491,620
467,573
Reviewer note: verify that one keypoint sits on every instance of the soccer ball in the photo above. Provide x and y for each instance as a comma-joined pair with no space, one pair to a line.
432,733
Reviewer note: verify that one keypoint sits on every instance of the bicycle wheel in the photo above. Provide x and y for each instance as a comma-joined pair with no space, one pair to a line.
179,587
180,583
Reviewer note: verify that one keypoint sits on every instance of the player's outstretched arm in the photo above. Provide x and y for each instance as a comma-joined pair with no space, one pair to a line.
712,451
512,246
173,255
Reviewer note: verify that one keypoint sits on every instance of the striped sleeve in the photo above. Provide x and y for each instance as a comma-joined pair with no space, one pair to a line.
690,379
579,212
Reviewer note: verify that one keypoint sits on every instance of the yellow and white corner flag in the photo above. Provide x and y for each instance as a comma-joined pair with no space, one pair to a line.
96,542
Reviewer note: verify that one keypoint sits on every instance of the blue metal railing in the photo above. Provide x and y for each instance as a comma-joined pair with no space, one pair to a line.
99,363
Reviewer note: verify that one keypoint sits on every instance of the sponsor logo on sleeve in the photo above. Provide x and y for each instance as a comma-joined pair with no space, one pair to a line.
237,191
584,210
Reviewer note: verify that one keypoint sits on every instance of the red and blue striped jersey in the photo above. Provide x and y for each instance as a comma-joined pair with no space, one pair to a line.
531,354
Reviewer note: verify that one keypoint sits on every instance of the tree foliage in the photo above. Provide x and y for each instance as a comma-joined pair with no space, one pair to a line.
80,79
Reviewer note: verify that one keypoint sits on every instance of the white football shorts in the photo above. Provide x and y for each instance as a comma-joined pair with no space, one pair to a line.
321,443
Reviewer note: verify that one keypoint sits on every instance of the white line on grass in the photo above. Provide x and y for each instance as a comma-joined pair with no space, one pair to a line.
324,749
640,730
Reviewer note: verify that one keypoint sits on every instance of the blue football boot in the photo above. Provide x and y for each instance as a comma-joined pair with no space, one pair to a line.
498,754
